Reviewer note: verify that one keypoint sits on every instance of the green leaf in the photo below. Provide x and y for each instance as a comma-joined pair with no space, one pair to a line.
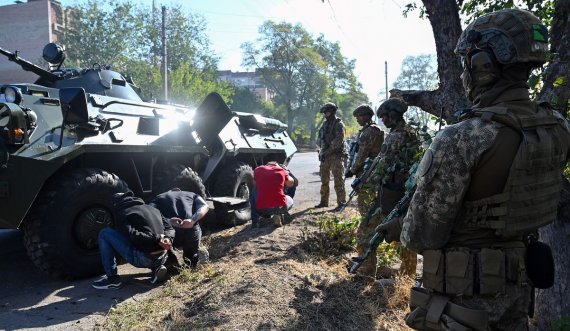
559,81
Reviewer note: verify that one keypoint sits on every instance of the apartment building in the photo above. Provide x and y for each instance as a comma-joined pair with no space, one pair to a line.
27,27
249,80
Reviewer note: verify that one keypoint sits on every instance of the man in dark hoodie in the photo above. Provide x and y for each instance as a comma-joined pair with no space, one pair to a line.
142,236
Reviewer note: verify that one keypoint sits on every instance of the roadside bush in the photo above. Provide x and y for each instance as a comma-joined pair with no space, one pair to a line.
335,235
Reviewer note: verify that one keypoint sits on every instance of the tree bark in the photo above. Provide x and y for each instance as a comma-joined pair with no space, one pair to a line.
553,303
446,25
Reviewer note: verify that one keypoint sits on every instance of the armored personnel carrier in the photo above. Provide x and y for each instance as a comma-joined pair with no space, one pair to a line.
75,137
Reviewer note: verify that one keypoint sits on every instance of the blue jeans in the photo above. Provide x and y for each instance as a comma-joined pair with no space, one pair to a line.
112,244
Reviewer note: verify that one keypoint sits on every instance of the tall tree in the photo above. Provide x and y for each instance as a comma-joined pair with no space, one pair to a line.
284,55
126,35
443,15
303,72
418,73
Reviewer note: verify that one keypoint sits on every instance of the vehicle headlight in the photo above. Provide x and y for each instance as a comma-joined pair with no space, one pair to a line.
12,94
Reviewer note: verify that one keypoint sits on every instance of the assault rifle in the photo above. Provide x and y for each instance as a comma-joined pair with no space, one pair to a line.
357,183
400,209
353,147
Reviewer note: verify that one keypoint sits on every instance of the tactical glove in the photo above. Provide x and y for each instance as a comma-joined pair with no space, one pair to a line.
391,230
348,174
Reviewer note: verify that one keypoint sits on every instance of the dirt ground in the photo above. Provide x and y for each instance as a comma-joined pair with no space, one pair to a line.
270,278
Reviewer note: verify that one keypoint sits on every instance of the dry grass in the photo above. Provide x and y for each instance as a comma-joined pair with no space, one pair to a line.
265,280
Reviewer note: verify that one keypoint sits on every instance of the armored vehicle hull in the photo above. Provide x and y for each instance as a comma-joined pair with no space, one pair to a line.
66,147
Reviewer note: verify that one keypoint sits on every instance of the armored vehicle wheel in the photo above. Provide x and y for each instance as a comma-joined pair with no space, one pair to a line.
60,232
177,175
235,179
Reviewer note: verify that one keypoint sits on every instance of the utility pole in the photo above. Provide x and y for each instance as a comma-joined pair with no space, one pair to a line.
386,73
164,55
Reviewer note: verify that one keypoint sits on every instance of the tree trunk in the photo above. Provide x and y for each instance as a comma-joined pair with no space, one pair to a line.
446,25
553,303
313,135
290,118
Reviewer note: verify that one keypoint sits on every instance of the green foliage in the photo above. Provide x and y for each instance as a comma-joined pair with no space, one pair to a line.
304,72
126,36
418,73
387,254
563,324
334,236
544,9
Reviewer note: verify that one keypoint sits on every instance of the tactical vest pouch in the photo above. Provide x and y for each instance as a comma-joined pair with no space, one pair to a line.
431,311
531,193
540,265
390,198
433,276
491,271
459,272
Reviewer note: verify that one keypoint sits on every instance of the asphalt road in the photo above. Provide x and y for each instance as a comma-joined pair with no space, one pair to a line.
30,300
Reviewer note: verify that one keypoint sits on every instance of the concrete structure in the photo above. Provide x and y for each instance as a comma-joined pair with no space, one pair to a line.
27,27
249,80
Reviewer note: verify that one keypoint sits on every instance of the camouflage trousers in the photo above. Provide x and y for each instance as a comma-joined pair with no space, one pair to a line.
364,233
335,165
365,199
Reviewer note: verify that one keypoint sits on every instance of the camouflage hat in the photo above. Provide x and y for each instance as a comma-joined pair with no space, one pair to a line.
393,104
513,35
363,110
329,106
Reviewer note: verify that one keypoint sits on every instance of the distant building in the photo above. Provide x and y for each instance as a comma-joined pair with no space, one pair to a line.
249,80
27,27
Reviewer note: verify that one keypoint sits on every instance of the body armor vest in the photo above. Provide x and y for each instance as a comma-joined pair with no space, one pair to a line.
530,197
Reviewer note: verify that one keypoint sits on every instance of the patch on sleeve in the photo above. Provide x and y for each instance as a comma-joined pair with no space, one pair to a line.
426,163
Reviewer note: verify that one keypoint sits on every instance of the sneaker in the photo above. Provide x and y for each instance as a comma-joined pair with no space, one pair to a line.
108,283
159,275
276,219
321,205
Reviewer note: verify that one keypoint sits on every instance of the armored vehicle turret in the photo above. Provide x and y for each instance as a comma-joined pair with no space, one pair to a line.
75,137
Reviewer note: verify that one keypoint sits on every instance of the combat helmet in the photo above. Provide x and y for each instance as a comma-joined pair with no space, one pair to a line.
365,110
392,105
329,106
513,36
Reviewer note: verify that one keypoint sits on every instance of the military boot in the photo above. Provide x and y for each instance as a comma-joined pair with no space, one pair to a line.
321,205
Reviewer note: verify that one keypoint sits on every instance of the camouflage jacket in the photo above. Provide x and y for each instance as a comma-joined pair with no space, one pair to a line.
331,138
370,139
398,153
446,176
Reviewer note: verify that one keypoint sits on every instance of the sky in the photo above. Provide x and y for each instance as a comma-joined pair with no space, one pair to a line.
370,31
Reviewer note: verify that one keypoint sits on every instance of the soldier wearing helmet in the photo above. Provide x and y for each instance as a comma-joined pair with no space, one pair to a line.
368,143
486,184
331,155
397,154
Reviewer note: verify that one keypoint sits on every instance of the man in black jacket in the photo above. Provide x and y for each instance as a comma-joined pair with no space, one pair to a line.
141,236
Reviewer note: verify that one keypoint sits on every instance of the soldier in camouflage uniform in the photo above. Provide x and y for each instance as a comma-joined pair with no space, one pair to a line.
397,154
370,139
486,185
331,154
